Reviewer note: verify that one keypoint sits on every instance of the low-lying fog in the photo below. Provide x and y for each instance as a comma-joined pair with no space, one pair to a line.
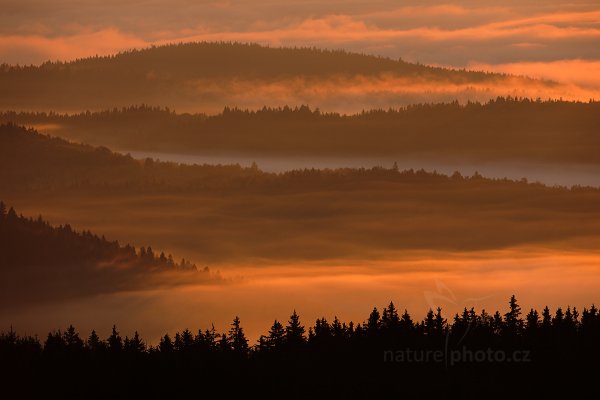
549,174
261,293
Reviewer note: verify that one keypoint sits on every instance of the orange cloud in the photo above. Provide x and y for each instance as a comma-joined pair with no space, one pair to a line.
349,94
83,44
260,293
345,28
583,73
444,10
329,30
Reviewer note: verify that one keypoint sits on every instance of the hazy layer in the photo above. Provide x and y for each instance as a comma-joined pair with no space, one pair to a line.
222,215
506,133
322,242
205,77
416,281
548,174
442,32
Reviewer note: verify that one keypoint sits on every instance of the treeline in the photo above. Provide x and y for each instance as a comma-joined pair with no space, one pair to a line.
215,210
503,129
566,331
34,162
218,59
200,76
28,241
332,356
41,262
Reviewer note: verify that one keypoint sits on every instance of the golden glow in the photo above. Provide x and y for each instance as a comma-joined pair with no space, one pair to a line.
320,250
260,293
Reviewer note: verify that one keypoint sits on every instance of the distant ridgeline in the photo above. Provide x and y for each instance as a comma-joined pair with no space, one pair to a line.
219,207
27,241
172,63
504,129
32,161
218,59
497,356
40,261
201,76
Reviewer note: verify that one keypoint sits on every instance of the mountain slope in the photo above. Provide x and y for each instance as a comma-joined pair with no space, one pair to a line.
230,214
502,130
41,262
208,76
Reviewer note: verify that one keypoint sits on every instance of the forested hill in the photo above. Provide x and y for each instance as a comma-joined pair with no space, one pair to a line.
389,355
208,76
39,261
224,59
31,162
504,130
209,210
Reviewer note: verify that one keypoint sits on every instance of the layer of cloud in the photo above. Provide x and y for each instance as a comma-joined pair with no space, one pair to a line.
581,73
357,93
29,48
553,40
416,282
458,33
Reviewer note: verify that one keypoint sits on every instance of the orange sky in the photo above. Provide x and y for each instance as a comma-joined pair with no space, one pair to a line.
354,94
551,39
522,37
260,293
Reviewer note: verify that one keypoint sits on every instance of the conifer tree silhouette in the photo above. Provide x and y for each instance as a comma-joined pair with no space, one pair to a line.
276,337
94,343
72,340
114,341
237,338
374,322
513,322
294,332
166,344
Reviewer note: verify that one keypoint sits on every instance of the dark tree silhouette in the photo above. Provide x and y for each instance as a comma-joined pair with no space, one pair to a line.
275,339
513,322
374,322
135,344
115,342
532,321
294,332
237,338
166,344
94,343
72,340
333,352
390,318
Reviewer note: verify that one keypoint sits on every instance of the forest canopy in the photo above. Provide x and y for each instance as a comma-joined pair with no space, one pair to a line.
217,212
207,76
402,354
41,262
501,130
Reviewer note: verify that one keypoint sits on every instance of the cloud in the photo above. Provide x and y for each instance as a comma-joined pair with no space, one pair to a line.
35,48
346,290
351,94
582,73
344,28
431,32
512,37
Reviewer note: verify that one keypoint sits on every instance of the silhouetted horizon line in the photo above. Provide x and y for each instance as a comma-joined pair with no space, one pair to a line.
255,167
297,108
250,44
